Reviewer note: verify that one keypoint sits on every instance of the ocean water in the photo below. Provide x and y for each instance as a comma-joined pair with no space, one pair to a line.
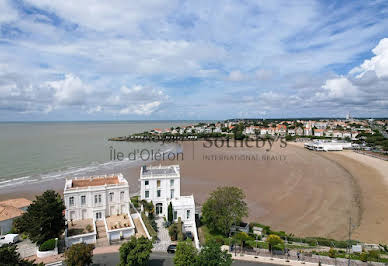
36,151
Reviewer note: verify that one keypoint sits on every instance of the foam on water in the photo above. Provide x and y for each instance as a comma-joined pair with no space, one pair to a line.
94,168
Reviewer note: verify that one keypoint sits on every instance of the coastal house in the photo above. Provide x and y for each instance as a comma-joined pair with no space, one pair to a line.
337,134
291,131
97,209
354,135
347,134
10,210
319,132
307,131
281,129
299,131
161,186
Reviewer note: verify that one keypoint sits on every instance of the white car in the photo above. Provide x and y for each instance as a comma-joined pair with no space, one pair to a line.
9,239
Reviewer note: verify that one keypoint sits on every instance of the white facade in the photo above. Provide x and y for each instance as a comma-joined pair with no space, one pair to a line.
327,146
161,185
96,197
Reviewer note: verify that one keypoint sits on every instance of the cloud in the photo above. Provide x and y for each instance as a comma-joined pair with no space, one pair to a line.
141,109
236,76
377,64
338,88
70,91
137,58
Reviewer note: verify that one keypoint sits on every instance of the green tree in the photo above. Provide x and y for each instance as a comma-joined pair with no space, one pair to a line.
44,218
211,254
185,254
240,238
170,213
224,207
79,255
273,240
10,257
136,251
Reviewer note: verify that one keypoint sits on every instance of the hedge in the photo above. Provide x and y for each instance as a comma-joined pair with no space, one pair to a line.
48,245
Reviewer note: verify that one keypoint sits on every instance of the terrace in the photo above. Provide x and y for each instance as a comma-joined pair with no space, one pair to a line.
118,221
80,227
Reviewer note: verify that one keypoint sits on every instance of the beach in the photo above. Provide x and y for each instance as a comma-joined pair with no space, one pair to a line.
289,188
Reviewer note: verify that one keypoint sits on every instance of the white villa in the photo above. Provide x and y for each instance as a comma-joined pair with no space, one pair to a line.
161,185
96,197
97,210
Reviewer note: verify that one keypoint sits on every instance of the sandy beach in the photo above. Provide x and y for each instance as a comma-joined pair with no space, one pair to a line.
292,189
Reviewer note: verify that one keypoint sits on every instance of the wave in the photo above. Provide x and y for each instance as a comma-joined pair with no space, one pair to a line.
93,168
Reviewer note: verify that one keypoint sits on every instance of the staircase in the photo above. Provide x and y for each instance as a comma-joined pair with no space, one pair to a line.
102,239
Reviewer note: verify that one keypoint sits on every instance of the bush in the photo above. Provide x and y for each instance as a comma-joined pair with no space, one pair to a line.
364,257
173,232
48,245
89,228
135,201
180,233
332,253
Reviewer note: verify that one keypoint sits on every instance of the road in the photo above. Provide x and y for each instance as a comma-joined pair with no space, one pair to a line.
156,259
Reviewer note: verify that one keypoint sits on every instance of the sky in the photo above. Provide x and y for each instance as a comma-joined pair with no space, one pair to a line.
186,60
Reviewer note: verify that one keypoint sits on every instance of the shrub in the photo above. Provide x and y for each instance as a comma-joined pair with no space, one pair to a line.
173,232
332,253
180,233
89,228
48,245
364,257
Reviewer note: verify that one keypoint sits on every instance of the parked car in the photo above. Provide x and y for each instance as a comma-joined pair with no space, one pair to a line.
9,239
171,249
189,235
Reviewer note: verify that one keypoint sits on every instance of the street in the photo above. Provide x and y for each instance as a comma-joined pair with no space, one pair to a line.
109,259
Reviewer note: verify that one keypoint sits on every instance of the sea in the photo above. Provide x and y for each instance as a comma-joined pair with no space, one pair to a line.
33,152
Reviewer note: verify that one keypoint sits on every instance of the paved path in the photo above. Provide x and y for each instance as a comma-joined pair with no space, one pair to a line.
139,228
159,259
26,248
164,239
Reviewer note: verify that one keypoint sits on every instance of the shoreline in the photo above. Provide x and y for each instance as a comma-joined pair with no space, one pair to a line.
306,193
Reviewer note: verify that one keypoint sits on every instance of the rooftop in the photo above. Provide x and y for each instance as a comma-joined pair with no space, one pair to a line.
95,181
183,201
9,212
160,171
118,221
17,203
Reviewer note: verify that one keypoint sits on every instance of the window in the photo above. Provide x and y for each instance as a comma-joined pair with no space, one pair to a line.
158,183
83,200
122,195
175,215
71,201
171,182
146,194
159,192
97,198
188,214
146,183
171,193
98,215
111,194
